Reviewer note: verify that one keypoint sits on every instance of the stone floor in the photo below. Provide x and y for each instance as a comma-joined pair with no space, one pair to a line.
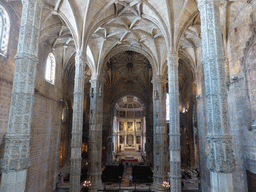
190,185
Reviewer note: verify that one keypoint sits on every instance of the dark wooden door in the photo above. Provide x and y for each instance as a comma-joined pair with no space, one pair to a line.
251,179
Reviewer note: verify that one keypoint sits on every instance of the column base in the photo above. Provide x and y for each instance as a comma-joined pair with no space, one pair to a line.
175,184
221,182
95,188
96,183
158,187
157,184
14,181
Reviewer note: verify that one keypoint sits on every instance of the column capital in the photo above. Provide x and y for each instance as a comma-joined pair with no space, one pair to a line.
172,58
202,3
96,82
40,2
80,58
159,79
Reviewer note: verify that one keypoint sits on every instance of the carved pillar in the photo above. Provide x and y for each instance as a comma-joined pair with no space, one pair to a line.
95,134
220,159
159,132
174,123
77,125
16,158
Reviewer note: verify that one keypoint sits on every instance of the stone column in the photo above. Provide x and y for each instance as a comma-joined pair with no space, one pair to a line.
95,134
16,158
110,149
220,159
174,123
77,124
159,132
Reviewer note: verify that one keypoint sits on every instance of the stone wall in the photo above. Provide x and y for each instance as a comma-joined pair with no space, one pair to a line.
46,123
240,38
46,127
239,105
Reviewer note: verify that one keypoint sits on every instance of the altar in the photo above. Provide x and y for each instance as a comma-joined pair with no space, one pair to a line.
130,154
129,129
129,149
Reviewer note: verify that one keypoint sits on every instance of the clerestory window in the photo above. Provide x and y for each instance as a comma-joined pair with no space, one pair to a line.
50,69
4,30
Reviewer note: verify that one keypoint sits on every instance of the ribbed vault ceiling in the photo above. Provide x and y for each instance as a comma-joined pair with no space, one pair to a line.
128,24
128,68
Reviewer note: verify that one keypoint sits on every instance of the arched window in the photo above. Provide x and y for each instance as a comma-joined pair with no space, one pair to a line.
167,107
4,30
50,68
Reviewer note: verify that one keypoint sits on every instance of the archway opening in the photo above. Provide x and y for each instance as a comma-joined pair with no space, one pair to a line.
129,129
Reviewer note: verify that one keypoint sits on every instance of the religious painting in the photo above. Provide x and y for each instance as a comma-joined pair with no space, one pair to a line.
138,126
129,114
137,114
130,126
138,139
121,125
130,140
121,141
122,113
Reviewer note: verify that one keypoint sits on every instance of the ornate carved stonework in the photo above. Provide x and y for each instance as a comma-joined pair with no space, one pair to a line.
95,134
160,131
16,158
16,155
220,156
77,125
